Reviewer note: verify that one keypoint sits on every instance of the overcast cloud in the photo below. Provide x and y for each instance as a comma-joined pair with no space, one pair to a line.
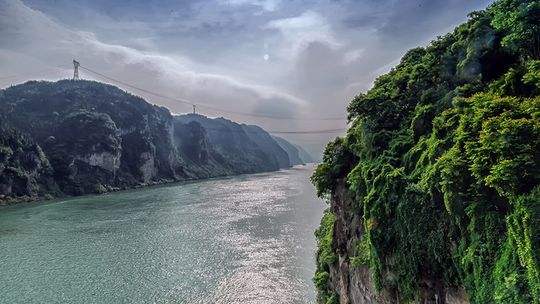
303,59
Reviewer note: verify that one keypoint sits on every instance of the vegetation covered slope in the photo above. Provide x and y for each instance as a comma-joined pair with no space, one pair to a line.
442,164
77,137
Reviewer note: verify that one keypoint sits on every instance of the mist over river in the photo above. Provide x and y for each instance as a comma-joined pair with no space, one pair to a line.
242,239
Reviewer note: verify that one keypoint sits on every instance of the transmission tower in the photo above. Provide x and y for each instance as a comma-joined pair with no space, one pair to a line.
75,70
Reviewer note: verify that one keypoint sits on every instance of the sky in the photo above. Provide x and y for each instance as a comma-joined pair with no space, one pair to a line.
301,60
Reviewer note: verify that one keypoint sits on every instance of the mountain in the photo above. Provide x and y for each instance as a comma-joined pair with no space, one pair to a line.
305,157
292,151
434,192
78,137
247,148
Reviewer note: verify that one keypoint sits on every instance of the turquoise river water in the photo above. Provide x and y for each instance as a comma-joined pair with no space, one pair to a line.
243,239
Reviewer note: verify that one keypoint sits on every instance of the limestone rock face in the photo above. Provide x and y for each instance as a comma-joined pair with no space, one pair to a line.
147,167
105,160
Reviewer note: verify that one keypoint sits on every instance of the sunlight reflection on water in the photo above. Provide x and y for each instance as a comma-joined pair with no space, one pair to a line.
245,239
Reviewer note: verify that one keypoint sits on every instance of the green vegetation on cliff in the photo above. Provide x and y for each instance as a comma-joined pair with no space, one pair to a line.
325,257
443,161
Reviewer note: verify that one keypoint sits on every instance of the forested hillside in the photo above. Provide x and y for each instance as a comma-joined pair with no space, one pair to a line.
433,191
75,137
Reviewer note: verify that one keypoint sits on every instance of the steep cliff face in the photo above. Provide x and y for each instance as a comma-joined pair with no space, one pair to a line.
246,149
96,136
199,157
268,143
434,191
350,279
292,151
76,137
305,157
24,168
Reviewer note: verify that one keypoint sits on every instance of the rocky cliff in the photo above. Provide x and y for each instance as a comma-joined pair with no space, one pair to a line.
77,137
304,155
292,151
245,148
434,192
350,279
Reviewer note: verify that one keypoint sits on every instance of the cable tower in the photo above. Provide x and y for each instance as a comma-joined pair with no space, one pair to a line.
75,70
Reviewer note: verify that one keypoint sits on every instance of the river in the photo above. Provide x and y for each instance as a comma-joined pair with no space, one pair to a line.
243,239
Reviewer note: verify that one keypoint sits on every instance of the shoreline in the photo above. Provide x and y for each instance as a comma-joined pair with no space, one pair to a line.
12,201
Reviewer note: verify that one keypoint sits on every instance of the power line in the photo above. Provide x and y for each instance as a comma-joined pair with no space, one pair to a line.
194,105
242,130
187,102
309,132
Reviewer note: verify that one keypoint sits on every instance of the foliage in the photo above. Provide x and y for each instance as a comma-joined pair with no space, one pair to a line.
24,168
325,257
446,162
519,20
495,150
336,157
532,75
332,299
363,251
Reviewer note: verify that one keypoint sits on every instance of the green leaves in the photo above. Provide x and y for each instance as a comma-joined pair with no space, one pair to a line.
532,75
443,158
325,257
519,21
336,160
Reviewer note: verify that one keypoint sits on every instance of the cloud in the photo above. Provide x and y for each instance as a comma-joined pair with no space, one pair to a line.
398,26
32,34
285,58
268,5
302,30
353,55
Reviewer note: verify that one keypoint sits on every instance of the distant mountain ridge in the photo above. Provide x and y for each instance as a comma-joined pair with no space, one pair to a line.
291,150
78,137
304,155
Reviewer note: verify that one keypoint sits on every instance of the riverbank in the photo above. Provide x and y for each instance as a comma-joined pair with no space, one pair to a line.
7,201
